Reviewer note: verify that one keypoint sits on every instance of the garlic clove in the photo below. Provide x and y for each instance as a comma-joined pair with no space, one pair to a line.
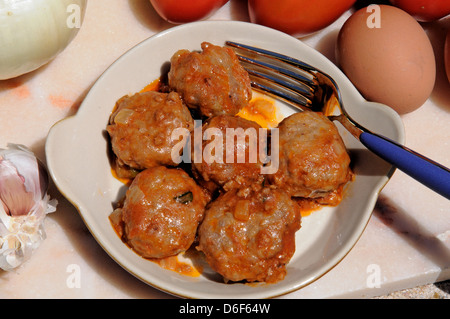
24,205
13,193
27,165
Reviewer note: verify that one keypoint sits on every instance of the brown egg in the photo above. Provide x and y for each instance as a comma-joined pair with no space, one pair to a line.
387,55
447,55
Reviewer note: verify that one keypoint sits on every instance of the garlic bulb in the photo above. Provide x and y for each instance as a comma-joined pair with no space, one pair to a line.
24,203
33,32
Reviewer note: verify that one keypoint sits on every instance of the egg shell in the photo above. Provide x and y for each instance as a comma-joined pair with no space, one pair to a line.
388,57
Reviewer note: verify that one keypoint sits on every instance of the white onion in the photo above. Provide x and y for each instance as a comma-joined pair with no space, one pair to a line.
24,203
33,32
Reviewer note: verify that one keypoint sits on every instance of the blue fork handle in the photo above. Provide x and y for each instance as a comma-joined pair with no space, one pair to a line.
424,170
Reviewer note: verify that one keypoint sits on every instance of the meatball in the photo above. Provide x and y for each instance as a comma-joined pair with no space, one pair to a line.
313,160
250,236
230,153
211,81
141,128
162,210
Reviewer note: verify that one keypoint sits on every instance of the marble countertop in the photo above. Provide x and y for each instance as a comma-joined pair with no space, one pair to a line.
407,238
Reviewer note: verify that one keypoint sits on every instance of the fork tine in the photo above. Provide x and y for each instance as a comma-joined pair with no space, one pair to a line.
279,64
307,81
293,84
298,88
264,84
274,55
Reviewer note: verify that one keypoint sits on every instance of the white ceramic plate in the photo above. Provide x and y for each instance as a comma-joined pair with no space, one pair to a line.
77,158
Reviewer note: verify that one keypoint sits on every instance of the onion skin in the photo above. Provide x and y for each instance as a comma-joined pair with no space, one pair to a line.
33,32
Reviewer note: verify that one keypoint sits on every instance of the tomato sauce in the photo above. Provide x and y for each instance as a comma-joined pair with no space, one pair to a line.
153,86
125,181
173,263
262,111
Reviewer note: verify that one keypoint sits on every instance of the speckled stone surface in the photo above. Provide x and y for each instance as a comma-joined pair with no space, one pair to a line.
431,291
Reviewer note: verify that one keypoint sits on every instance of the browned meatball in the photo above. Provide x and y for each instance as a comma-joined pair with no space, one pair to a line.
250,236
243,167
313,160
141,128
212,81
161,212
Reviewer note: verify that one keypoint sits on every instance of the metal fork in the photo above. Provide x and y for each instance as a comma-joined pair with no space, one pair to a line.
310,89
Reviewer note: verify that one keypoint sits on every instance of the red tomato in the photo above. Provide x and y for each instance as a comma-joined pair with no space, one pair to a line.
424,10
183,11
297,17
